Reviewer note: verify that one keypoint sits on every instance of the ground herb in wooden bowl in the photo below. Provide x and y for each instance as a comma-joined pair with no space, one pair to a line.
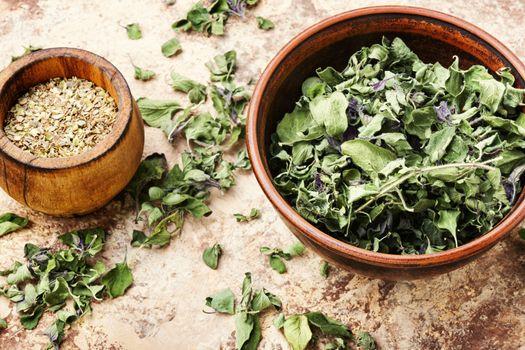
61,118
400,156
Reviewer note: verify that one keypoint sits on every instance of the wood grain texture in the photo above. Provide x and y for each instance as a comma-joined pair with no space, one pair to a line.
82,183
434,36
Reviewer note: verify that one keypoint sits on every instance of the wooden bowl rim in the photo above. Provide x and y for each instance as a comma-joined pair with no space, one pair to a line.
336,246
124,103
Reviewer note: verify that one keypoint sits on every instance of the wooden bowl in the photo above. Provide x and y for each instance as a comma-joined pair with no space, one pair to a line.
434,36
85,182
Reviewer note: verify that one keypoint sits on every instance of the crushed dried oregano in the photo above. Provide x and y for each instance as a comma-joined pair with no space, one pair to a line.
61,118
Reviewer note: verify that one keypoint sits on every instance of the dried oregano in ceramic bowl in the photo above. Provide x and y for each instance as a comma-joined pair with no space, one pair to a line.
400,156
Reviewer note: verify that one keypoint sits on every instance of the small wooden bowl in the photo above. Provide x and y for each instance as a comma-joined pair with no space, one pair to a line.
434,36
82,183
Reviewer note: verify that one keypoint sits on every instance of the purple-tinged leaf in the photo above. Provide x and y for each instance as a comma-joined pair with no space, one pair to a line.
350,133
318,183
443,112
353,109
336,144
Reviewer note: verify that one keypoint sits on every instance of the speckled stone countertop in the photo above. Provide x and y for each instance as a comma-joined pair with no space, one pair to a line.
481,306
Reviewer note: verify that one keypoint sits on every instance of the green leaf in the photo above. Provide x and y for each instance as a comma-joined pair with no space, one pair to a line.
150,169
222,301
418,122
159,113
330,112
491,94
262,299
246,289
117,280
297,332
474,75
138,238
143,74
255,336
55,331
10,222
133,30
365,341
27,50
298,126
30,321
313,87
3,324
324,269
20,274
278,322
223,66
264,24
160,236
171,47
369,157
58,294
195,90
330,76
211,256
448,220
454,84
253,214
521,233
277,263
244,325
327,325
438,143
295,249
336,344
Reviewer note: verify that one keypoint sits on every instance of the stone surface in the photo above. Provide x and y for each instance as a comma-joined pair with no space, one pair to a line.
481,306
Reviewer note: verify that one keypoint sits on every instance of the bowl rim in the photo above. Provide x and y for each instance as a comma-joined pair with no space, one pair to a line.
339,247
124,103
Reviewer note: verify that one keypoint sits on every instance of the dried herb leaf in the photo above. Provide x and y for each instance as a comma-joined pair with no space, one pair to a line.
211,256
27,51
171,47
324,269
195,90
117,280
134,32
143,74
264,23
223,301
297,332
10,222
365,341
254,214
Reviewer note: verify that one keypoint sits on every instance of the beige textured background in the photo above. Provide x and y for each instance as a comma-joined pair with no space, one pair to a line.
481,306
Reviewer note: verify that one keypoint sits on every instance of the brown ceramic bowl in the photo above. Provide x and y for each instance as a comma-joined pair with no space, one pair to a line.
434,36
85,182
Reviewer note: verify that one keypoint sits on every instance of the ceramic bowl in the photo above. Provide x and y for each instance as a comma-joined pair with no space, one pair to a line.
434,36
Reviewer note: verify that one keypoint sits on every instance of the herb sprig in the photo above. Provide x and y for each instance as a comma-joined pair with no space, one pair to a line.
163,195
297,330
211,18
247,312
50,278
